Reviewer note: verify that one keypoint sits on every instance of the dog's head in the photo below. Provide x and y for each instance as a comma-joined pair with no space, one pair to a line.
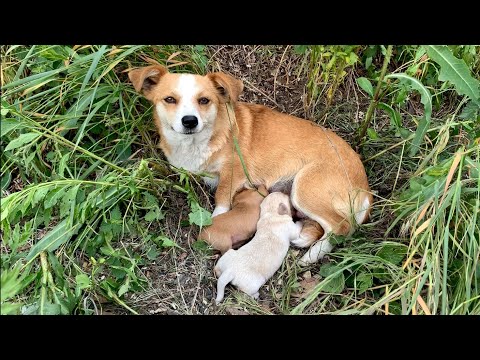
186,103
276,203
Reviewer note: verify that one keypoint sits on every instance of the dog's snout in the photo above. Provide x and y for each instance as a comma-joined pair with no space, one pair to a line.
189,121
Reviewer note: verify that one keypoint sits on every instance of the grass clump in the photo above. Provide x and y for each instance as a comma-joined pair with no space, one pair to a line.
94,220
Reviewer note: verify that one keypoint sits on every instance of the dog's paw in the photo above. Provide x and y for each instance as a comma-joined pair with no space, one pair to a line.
301,242
219,210
315,253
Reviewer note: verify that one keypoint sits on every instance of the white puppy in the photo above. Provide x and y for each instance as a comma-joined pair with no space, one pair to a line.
252,265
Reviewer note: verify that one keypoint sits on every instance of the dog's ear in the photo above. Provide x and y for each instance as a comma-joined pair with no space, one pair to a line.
143,79
227,86
283,209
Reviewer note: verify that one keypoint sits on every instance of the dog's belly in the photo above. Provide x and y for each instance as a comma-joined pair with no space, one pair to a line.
284,186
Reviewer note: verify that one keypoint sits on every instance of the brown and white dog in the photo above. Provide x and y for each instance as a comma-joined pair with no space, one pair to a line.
198,117
233,228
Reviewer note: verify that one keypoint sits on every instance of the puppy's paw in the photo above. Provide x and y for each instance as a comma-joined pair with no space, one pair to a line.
305,238
219,210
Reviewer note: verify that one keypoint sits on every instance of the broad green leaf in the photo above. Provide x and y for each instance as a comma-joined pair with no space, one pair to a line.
59,235
372,134
426,99
155,214
364,281
68,201
366,85
50,309
152,253
10,282
8,308
8,125
21,140
5,180
199,216
470,111
40,194
52,198
124,288
83,281
167,242
300,49
63,164
116,214
149,199
337,283
392,253
455,71
200,245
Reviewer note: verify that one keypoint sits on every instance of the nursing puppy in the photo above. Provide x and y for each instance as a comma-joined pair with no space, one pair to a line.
253,264
198,118
233,228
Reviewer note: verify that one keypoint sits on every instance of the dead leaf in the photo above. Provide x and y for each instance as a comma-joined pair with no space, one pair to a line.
306,285
176,53
234,311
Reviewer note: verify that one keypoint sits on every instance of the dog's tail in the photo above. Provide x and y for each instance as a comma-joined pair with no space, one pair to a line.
223,280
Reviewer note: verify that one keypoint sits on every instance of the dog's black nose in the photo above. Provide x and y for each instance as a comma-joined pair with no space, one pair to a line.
189,121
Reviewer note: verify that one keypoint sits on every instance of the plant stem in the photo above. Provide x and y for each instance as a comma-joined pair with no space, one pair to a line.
374,102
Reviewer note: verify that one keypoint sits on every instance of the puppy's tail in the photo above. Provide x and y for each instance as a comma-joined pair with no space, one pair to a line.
223,280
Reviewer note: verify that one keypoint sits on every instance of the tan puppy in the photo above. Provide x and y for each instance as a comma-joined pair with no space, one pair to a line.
199,116
234,227
253,264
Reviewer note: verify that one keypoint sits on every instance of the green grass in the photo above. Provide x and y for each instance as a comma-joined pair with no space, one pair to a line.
94,220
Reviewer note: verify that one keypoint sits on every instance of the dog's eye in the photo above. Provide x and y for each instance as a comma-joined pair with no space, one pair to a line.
203,101
170,100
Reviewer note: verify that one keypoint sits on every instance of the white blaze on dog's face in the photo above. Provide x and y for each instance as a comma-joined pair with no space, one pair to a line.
186,103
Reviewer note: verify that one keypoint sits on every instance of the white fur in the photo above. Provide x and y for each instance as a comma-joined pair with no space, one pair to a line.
360,215
253,264
316,252
187,88
212,182
219,210
189,151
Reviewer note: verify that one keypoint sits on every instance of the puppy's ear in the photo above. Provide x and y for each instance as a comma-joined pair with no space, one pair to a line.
143,79
229,88
283,209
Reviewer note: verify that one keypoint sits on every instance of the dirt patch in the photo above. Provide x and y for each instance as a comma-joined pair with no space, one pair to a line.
181,281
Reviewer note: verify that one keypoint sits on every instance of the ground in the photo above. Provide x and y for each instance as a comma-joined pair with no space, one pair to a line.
93,135
182,281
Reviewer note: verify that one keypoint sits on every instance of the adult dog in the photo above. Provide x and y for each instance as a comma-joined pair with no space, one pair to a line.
199,119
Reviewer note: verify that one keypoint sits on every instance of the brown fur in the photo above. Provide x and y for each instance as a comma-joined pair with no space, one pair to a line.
233,228
330,183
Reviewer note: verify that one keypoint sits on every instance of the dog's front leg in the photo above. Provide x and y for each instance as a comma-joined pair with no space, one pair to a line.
228,185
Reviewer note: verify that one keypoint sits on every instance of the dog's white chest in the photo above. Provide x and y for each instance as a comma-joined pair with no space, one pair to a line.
189,157
189,152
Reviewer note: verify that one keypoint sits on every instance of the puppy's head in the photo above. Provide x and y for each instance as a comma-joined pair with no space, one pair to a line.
276,203
185,103
250,196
